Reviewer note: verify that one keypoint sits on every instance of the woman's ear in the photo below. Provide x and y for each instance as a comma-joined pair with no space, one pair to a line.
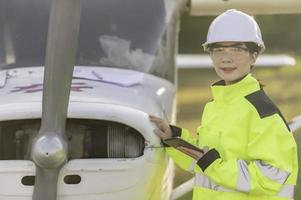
253,57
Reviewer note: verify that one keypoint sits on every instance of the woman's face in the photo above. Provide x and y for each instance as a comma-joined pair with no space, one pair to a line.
232,60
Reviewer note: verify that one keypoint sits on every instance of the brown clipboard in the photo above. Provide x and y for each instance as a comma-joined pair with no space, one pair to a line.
177,142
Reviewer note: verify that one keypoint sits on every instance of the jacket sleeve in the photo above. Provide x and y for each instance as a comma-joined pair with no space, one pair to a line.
182,160
272,160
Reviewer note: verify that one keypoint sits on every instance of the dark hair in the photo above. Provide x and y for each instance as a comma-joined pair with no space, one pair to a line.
253,47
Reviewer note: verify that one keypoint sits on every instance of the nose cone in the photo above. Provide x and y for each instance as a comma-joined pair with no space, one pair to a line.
49,151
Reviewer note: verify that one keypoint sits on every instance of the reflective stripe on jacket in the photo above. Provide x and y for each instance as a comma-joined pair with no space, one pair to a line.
253,154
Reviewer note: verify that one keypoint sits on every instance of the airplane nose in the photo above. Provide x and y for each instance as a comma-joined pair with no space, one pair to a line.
49,152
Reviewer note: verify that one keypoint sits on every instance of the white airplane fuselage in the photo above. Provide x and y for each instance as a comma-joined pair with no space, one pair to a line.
148,176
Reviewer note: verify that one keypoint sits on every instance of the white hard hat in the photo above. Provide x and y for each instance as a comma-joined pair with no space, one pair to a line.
234,26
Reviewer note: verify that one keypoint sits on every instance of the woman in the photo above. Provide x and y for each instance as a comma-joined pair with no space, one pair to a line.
249,151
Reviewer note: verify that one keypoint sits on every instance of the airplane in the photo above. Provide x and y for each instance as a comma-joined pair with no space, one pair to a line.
78,128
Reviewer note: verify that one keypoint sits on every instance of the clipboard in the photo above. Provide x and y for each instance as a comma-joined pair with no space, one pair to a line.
177,142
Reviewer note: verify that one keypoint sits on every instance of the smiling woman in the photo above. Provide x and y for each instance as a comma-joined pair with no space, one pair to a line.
240,127
194,92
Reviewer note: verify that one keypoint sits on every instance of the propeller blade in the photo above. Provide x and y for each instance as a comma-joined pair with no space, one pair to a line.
49,180
49,148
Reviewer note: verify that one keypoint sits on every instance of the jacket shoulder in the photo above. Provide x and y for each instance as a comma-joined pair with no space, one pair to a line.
264,105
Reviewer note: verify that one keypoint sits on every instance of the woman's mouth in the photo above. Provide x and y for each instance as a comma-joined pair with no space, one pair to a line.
228,69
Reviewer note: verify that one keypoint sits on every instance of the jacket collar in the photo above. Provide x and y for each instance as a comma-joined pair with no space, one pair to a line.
228,93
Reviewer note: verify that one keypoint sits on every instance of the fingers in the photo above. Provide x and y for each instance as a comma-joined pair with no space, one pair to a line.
164,130
161,134
153,116
206,149
158,121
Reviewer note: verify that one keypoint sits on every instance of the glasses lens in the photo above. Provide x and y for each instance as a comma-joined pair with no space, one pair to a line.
233,50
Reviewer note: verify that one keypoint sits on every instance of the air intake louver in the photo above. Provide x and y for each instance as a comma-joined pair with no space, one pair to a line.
123,143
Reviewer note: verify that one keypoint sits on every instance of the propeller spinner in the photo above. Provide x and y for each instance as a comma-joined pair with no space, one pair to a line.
49,148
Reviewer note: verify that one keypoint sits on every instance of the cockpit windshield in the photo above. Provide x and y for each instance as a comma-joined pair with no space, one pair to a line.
112,33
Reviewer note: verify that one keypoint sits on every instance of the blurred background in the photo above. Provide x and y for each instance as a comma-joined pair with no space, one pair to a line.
281,34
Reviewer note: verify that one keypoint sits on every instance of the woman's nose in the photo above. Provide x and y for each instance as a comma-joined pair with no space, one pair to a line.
226,58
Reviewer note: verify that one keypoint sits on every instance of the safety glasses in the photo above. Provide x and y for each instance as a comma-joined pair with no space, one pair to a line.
234,50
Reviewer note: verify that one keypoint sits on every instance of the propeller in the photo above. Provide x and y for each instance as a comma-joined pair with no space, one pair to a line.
49,147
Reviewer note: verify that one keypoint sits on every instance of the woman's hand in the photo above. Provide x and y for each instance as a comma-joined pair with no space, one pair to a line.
163,131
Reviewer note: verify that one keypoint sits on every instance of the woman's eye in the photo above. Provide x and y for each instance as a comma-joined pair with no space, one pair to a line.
218,49
237,49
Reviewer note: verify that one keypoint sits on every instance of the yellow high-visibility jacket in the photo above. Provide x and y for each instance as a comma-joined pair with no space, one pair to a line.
253,154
